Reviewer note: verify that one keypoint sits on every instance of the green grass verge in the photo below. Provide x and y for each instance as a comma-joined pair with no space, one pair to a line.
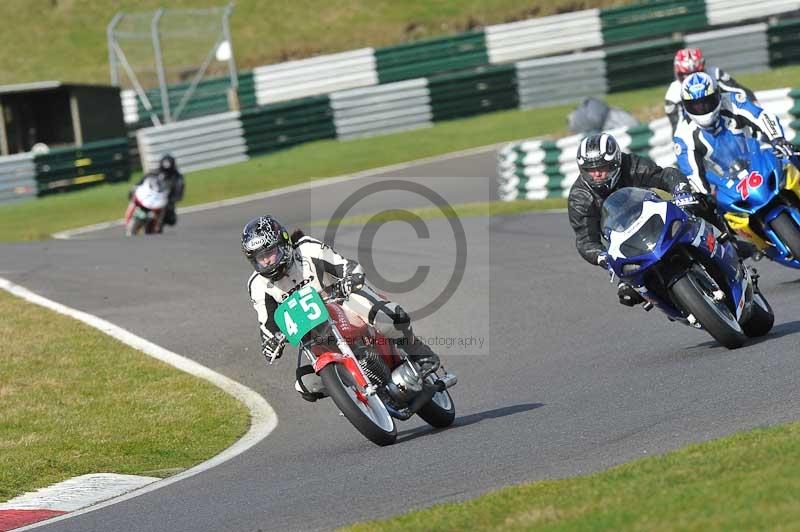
37,219
65,39
749,481
459,210
75,401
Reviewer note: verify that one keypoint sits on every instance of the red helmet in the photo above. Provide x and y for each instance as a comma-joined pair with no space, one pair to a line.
688,61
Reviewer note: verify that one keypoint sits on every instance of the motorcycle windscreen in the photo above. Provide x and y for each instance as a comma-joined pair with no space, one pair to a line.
732,156
632,222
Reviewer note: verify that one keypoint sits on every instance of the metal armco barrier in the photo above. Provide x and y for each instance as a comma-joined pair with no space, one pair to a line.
544,36
733,11
317,75
382,109
561,79
741,49
199,143
281,125
17,177
431,56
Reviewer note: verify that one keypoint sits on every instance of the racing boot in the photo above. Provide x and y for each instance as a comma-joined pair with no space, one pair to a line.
419,352
628,295
746,250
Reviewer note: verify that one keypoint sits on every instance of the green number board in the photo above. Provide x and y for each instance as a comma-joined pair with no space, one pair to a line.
301,312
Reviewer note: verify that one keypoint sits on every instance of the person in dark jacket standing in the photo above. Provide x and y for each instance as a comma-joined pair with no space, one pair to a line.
603,169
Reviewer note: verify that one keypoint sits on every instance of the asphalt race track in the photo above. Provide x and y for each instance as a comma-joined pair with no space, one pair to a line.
566,382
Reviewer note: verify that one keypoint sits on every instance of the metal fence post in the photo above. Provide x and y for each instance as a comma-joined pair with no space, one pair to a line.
112,59
162,78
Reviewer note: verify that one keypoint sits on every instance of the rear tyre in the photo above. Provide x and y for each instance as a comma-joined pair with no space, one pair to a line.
439,412
761,319
788,232
692,294
371,419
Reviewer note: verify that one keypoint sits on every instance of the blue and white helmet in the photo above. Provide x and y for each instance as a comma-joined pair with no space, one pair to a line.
701,99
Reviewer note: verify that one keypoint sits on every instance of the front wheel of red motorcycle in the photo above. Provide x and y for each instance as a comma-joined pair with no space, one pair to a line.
439,412
367,413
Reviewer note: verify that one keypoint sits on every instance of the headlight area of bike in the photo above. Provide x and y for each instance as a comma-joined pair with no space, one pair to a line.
645,240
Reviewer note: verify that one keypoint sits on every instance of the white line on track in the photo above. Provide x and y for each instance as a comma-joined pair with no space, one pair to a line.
263,419
311,183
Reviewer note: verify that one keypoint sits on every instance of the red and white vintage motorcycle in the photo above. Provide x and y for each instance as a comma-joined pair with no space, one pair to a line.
370,378
145,211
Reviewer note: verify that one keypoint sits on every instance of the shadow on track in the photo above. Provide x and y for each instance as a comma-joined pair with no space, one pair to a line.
408,435
778,331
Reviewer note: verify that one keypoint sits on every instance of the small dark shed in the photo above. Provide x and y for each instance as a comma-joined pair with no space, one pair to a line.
57,115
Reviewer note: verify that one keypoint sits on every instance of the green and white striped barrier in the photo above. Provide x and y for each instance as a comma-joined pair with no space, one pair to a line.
538,169
643,61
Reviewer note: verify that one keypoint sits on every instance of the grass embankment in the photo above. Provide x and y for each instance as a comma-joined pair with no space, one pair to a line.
53,33
37,219
75,401
749,481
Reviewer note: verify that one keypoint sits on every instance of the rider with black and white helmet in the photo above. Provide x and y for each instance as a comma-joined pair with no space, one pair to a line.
604,168
283,262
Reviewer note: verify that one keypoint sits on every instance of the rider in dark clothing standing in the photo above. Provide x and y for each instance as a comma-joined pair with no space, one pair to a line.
603,169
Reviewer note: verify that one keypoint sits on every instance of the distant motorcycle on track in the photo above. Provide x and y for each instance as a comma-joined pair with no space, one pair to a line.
682,265
145,212
368,377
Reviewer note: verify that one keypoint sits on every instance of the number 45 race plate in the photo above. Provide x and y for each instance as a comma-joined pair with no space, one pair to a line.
301,312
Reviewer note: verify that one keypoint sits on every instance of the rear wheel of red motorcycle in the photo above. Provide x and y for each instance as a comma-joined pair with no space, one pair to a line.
788,232
371,419
439,412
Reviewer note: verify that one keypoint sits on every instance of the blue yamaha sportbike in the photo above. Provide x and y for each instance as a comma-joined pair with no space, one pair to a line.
759,195
679,263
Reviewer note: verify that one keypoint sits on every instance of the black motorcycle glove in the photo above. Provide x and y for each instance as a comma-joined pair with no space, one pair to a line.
272,348
346,285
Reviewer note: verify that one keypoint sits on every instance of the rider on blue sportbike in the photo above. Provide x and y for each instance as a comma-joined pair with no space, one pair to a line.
717,147
603,169
683,265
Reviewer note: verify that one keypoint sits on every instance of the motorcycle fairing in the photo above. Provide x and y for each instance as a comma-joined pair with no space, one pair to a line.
668,226
739,201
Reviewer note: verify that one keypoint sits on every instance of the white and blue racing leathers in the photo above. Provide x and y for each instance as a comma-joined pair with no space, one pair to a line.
739,116
672,99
